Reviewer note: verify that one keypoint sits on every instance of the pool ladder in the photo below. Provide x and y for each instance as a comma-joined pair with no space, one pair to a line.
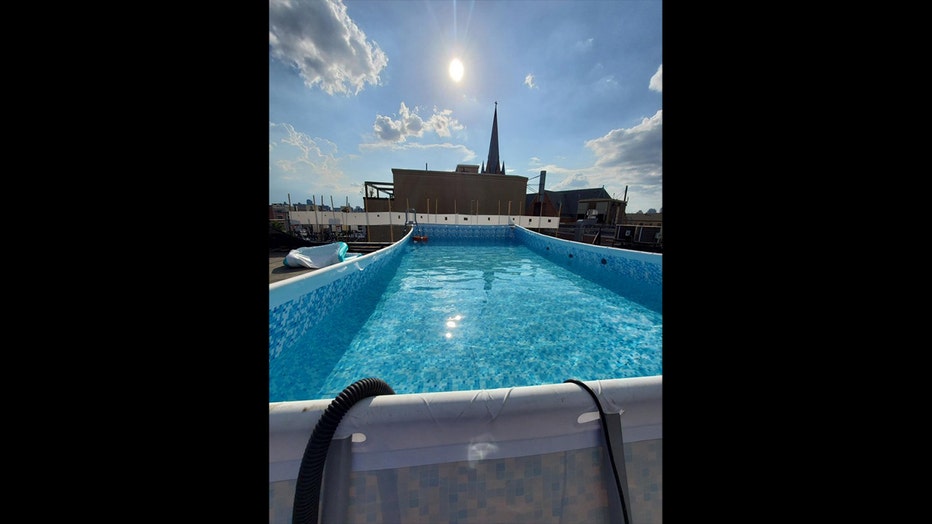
414,225
413,220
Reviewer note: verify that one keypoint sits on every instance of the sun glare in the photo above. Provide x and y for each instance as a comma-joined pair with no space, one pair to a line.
456,70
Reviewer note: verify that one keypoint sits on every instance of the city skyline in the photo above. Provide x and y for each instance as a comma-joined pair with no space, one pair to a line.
357,88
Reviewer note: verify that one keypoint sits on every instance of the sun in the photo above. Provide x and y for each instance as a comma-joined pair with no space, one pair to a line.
456,70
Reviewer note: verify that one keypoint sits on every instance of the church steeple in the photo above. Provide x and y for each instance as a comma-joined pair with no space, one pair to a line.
492,164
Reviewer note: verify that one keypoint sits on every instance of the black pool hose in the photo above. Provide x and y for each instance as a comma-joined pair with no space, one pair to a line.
608,442
307,490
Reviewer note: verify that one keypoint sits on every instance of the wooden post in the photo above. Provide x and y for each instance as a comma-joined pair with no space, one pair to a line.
365,207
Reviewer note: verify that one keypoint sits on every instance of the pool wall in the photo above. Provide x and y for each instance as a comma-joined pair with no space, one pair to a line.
522,454
449,233
532,454
637,275
298,304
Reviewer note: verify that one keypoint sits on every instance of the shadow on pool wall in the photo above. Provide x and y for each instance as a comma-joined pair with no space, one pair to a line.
636,275
534,454
641,272
322,291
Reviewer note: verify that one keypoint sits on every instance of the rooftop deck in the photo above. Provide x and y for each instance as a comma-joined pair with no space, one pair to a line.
278,271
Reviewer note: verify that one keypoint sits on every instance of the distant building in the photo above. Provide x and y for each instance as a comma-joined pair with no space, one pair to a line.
473,189
278,212
577,204
469,189
601,210
644,219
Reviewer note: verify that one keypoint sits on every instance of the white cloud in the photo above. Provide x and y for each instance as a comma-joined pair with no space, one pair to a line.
628,165
656,81
462,152
584,45
630,157
410,124
606,83
442,123
576,181
624,157
326,47
295,156
529,81
633,148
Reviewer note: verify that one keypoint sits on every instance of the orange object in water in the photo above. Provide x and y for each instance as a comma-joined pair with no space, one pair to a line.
420,239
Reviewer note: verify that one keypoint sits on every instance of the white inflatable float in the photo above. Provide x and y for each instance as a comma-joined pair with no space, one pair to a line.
316,257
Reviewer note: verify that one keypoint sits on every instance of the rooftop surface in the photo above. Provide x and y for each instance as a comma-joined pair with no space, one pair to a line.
279,271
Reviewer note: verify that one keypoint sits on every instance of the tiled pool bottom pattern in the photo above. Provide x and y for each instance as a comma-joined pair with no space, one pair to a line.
567,486
487,316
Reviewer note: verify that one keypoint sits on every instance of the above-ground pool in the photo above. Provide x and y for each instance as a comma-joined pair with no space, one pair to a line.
477,311
475,332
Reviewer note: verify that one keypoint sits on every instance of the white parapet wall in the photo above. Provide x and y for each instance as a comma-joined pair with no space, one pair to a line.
400,218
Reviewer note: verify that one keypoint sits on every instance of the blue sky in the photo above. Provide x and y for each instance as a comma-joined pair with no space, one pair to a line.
358,87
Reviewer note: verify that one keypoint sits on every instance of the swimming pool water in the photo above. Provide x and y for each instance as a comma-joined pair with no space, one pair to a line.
464,317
